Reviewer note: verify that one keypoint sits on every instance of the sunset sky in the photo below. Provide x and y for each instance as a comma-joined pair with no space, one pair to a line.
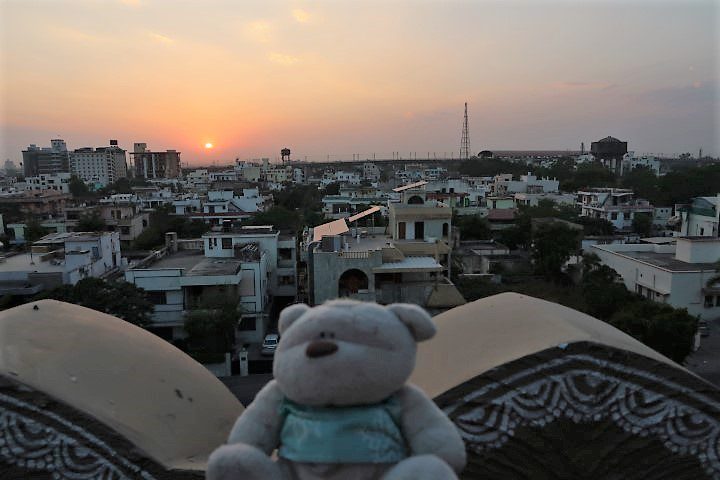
343,77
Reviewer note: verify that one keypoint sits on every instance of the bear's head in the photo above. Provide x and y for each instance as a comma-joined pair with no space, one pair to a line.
346,352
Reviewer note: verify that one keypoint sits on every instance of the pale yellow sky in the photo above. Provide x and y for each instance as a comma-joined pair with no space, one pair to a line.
343,77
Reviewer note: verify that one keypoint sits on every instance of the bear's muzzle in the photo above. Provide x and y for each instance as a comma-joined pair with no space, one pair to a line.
320,348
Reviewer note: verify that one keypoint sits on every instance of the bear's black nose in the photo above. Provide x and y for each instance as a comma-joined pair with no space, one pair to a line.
320,348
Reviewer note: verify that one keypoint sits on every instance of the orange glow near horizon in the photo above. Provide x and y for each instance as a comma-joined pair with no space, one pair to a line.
335,79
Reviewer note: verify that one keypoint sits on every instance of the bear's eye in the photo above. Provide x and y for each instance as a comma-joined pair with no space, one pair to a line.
331,335
322,334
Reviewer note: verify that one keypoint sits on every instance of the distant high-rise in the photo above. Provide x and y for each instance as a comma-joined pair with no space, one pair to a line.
150,164
38,161
465,139
101,166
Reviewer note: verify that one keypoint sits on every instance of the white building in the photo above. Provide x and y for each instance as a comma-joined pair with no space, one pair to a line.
100,166
298,175
371,172
631,161
60,259
674,274
616,205
59,182
252,265
701,217
504,184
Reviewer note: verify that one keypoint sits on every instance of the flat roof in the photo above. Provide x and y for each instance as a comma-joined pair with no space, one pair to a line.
410,264
216,266
186,259
21,263
667,261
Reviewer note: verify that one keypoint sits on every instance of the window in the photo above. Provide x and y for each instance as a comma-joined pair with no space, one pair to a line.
247,324
226,243
286,280
401,230
95,252
156,297
613,216
708,301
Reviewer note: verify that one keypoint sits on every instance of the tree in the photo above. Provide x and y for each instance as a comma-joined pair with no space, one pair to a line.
472,227
642,224
670,331
122,299
279,217
603,294
332,189
34,231
596,226
212,323
553,244
643,182
78,189
91,223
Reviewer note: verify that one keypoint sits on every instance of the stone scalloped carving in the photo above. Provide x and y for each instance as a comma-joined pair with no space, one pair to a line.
584,388
47,442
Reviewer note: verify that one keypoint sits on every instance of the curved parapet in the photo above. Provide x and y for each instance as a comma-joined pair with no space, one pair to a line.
540,391
87,395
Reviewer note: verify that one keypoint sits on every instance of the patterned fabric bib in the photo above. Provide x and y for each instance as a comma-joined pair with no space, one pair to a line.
357,434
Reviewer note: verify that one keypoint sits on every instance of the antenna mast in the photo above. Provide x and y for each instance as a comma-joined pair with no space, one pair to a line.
465,140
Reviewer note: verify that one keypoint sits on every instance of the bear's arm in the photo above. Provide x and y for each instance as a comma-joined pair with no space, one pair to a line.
427,430
259,425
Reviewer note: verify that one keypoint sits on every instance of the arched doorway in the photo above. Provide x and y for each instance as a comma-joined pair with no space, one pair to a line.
351,282
415,200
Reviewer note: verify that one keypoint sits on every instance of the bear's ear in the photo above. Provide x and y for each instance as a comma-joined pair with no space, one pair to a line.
289,315
416,319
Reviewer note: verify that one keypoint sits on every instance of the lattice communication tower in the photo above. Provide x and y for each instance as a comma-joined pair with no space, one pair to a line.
465,140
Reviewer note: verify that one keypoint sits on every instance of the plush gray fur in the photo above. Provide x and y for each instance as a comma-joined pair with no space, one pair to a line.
375,355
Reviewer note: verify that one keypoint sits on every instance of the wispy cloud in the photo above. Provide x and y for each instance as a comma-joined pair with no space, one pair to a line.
301,15
131,3
68,33
584,85
283,59
161,38
259,31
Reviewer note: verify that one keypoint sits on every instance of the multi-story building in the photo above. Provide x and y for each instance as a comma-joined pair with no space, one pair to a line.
631,162
679,275
149,164
100,166
122,213
60,259
37,204
248,172
410,264
38,161
198,180
371,172
250,265
700,218
504,184
57,182
616,205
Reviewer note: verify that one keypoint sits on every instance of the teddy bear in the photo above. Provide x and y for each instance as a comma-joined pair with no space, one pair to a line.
339,406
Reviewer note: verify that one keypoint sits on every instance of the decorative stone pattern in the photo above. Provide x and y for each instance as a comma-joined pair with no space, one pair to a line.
591,385
37,440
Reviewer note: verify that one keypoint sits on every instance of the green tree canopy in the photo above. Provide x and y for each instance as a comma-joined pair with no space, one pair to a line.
213,320
670,331
78,189
472,227
121,299
92,222
34,230
642,224
553,244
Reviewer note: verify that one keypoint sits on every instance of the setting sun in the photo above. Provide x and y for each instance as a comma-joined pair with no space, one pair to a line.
208,145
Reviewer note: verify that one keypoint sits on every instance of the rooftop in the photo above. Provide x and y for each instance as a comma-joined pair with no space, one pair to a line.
186,259
667,261
24,262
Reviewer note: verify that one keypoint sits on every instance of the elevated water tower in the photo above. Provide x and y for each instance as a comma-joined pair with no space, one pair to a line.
285,155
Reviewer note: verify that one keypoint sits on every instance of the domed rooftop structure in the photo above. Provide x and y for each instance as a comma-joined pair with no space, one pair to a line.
539,390
86,395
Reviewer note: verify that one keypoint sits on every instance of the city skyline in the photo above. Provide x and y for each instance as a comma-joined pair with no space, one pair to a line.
343,78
